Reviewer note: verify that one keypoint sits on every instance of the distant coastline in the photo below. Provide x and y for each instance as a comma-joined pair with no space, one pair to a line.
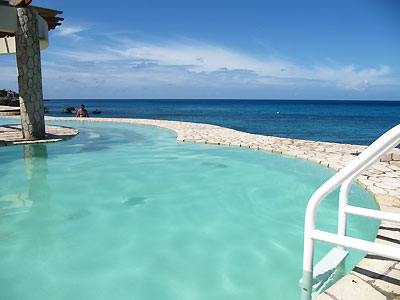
9,98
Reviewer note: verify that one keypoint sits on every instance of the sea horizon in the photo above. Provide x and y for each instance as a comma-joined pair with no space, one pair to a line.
343,121
227,99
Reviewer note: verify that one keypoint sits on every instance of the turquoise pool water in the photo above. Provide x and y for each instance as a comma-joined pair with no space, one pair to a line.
126,212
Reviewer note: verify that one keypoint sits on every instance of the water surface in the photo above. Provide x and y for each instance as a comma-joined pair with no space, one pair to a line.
125,212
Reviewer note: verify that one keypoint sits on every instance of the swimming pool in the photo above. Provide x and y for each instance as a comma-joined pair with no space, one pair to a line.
125,212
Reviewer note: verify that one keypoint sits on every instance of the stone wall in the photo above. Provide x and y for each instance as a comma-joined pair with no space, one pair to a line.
29,74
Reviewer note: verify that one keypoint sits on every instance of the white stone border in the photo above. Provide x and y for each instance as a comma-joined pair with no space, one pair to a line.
11,134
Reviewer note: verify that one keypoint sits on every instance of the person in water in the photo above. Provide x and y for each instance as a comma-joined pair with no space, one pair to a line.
82,112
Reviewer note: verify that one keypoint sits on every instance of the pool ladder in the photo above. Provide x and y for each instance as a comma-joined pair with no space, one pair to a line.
344,178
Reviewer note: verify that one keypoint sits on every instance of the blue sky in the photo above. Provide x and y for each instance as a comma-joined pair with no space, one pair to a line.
221,49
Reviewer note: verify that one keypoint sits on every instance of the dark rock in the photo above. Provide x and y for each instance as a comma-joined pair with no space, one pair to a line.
69,110
15,102
9,102
9,98
96,111
46,109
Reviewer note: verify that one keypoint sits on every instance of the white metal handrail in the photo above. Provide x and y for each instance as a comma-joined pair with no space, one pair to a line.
345,178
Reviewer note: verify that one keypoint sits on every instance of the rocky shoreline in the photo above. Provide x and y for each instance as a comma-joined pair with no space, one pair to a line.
9,103
9,98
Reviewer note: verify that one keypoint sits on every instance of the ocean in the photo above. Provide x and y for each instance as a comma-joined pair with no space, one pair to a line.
352,122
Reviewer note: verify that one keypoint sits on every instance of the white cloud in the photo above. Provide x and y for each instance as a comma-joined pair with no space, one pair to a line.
200,58
128,63
69,31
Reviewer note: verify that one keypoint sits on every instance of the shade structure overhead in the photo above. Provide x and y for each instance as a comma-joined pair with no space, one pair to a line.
24,31
47,20
49,15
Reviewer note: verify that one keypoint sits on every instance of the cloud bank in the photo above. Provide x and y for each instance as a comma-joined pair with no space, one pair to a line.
203,58
126,68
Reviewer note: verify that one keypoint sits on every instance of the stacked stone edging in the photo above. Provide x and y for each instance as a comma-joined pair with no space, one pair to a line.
29,74
11,134
374,277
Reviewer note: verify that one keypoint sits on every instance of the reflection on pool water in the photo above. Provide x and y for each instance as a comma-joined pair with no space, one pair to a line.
126,212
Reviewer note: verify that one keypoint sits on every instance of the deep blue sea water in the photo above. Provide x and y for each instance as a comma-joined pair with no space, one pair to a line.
354,122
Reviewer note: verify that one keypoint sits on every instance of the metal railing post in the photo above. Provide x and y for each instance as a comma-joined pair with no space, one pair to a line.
343,202
345,178
308,262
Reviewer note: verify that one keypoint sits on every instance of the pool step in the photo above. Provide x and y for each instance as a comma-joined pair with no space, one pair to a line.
328,270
